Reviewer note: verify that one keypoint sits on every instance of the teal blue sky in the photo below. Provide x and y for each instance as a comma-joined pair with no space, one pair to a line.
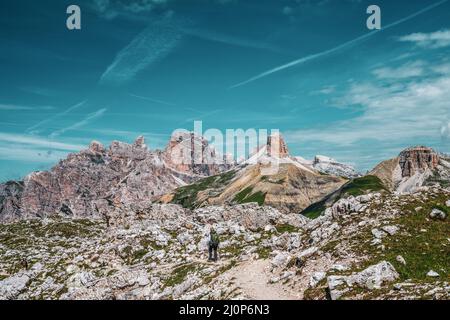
309,68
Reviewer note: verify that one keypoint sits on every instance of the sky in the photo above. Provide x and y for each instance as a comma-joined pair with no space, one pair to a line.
309,68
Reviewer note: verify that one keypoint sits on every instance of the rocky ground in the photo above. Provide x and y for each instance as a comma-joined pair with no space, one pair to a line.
374,246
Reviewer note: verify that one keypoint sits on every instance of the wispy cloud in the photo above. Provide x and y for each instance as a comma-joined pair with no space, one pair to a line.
433,40
30,154
34,128
210,35
13,107
19,139
111,9
35,149
153,100
79,124
339,48
408,70
150,46
397,114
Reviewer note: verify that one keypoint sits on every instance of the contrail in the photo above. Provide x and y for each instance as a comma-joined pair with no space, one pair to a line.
335,49
78,124
153,100
39,124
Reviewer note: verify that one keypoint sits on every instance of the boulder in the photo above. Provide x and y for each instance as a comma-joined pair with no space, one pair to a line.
371,278
433,274
316,278
438,214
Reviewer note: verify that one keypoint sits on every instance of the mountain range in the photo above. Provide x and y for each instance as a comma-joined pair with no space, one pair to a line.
125,222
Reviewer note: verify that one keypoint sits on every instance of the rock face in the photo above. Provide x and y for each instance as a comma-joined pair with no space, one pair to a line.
10,197
417,159
276,146
86,183
413,168
189,153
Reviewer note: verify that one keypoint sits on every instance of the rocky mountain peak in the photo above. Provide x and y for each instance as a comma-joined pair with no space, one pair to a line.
96,147
140,142
417,159
276,146
188,152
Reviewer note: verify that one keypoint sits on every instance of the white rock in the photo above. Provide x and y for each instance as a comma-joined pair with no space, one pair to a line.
437,214
185,238
401,260
378,234
316,278
269,228
339,267
307,253
432,274
281,259
371,278
374,276
447,203
336,286
391,230
11,287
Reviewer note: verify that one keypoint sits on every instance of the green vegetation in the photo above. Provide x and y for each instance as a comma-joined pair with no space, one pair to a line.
270,180
360,186
246,196
421,241
315,210
282,228
437,179
263,252
187,196
179,274
355,187
20,234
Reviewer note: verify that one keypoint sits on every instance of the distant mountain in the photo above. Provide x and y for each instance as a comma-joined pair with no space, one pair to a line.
331,166
413,168
270,177
86,183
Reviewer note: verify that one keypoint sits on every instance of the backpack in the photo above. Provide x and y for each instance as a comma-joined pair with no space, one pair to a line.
215,239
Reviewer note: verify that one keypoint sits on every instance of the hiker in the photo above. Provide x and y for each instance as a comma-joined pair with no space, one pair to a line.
213,244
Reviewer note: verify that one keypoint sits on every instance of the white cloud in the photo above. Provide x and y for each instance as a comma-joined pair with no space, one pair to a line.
13,107
150,46
35,141
408,70
433,40
394,114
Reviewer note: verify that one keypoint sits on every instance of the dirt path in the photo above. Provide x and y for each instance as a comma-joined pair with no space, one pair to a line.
252,278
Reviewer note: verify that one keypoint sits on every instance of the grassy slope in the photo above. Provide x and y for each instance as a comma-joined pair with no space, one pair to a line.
187,196
421,241
355,187
246,196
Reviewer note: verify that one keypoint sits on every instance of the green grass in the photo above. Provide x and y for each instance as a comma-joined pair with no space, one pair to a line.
179,274
314,210
270,180
422,251
246,196
355,187
360,186
263,252
282,228
187,196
